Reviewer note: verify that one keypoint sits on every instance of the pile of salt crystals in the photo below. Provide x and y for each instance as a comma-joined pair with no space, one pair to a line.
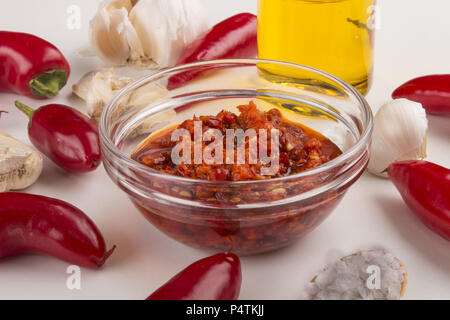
346,279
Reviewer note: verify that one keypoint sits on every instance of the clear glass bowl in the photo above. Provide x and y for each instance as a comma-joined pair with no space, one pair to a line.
267,214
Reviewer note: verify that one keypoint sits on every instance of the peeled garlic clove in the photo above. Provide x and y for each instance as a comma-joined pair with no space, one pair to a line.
98,88
400,128
20,165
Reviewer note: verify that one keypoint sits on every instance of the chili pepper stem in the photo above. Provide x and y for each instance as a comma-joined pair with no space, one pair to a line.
49,83
25,109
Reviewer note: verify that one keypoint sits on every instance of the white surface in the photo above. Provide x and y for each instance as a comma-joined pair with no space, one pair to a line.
412,41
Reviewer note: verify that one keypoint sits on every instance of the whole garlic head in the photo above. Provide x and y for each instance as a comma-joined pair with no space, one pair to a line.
146,33
400,129
20,165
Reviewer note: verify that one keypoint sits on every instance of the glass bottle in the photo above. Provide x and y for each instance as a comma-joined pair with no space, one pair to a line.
335,36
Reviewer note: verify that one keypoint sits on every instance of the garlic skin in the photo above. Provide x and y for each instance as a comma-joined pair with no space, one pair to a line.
146,33
347,278
97,88
20,165
400,129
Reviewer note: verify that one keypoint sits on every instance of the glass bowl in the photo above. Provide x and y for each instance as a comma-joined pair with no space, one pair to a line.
267,214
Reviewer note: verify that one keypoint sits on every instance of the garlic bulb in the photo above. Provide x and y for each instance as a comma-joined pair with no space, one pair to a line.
20,165
97,88
146,33
400,128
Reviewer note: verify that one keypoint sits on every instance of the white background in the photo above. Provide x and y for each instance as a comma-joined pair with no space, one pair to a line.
413,40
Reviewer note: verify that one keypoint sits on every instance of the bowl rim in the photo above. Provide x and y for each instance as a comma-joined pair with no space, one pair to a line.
363,139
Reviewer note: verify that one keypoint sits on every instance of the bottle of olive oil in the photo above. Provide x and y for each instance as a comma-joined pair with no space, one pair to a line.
335,36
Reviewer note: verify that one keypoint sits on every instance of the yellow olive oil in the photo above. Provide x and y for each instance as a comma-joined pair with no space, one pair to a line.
335,36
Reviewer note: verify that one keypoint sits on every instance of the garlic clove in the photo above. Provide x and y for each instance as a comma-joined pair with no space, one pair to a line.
147,94
112,34
143,98
400,128
20,165
98,96
165,28
83,85
98,88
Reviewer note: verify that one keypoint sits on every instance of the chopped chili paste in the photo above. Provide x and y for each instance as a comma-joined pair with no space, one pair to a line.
299,147
218,227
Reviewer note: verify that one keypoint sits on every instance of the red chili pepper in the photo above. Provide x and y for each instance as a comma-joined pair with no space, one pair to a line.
65,135
235,37
433,92
425,187
214,278
31,66
36,224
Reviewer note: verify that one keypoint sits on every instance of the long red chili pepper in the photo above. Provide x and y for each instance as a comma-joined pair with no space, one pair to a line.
214,278
65,135
31,66
432,91
37,224
235,37
425,187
